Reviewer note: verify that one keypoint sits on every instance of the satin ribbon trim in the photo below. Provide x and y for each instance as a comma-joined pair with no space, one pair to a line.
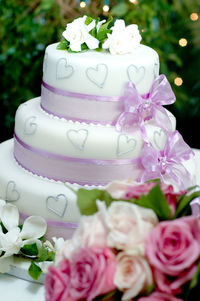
78,119
80,95
69,225
73,170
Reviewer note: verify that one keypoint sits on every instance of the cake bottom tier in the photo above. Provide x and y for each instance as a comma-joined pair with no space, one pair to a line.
34,195
54,201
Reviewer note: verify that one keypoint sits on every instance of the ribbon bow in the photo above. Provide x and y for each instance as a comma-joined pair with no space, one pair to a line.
138,109
166,164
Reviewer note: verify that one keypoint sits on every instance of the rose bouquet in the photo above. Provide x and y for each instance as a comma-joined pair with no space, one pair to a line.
134,242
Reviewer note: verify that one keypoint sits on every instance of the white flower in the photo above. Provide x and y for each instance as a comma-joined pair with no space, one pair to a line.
129,225
14,239
99,24
2,203
58,243
133,275
77,33
124,39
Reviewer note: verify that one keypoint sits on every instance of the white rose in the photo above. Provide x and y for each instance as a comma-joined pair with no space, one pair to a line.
123,39
133,275
129,226
91,232
77,33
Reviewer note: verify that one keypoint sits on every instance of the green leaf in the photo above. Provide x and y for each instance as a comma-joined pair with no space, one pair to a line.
192,291
104,30
112,296
120,10
86,200
43,254
84,47
30,250
156,201
34,271
88,20
184,204
51,256
63,45
196,278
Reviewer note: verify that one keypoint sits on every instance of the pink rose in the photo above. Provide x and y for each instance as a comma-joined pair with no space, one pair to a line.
92,273
117,189
157,296
171,196
172,285
136,191
174,246
133,275
129,225
57,283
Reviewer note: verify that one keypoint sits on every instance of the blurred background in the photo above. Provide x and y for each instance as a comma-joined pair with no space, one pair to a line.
171,27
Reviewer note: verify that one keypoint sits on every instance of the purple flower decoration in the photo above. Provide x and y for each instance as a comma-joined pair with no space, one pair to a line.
138,109
167,164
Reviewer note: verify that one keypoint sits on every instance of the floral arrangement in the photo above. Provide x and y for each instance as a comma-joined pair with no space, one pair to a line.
25,241
87,33
134,242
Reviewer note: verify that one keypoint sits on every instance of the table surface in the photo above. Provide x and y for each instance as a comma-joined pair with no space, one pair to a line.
15,289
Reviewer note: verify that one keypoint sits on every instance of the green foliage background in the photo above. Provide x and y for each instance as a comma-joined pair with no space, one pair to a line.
27,27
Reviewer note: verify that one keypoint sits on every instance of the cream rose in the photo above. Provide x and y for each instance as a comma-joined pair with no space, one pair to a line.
92,232
133,275
129,226
77,33
124,39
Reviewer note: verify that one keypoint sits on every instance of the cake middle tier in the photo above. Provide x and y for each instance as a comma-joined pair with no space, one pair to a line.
78,152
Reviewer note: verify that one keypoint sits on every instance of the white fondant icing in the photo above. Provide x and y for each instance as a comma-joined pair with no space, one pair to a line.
63,70
159,139
97,75
116,74
125,144
12,194
57,204
101,140
78,138
30,126
135,74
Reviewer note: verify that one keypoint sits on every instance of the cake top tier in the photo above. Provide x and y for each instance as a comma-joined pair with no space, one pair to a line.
95,73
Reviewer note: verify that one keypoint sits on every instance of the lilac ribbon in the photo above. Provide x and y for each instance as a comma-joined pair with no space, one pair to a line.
73,170
167,164
138,109
80,107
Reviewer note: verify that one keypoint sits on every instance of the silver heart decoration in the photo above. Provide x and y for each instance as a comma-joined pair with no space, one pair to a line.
78,138
159,138
12,195
156,70
135,74
45,62
125,144
63,70
30,126
98,75
57,204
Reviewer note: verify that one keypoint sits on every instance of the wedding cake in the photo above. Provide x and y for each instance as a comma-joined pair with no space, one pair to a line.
100,118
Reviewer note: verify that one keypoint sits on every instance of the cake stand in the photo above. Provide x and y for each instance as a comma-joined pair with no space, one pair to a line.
18,286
